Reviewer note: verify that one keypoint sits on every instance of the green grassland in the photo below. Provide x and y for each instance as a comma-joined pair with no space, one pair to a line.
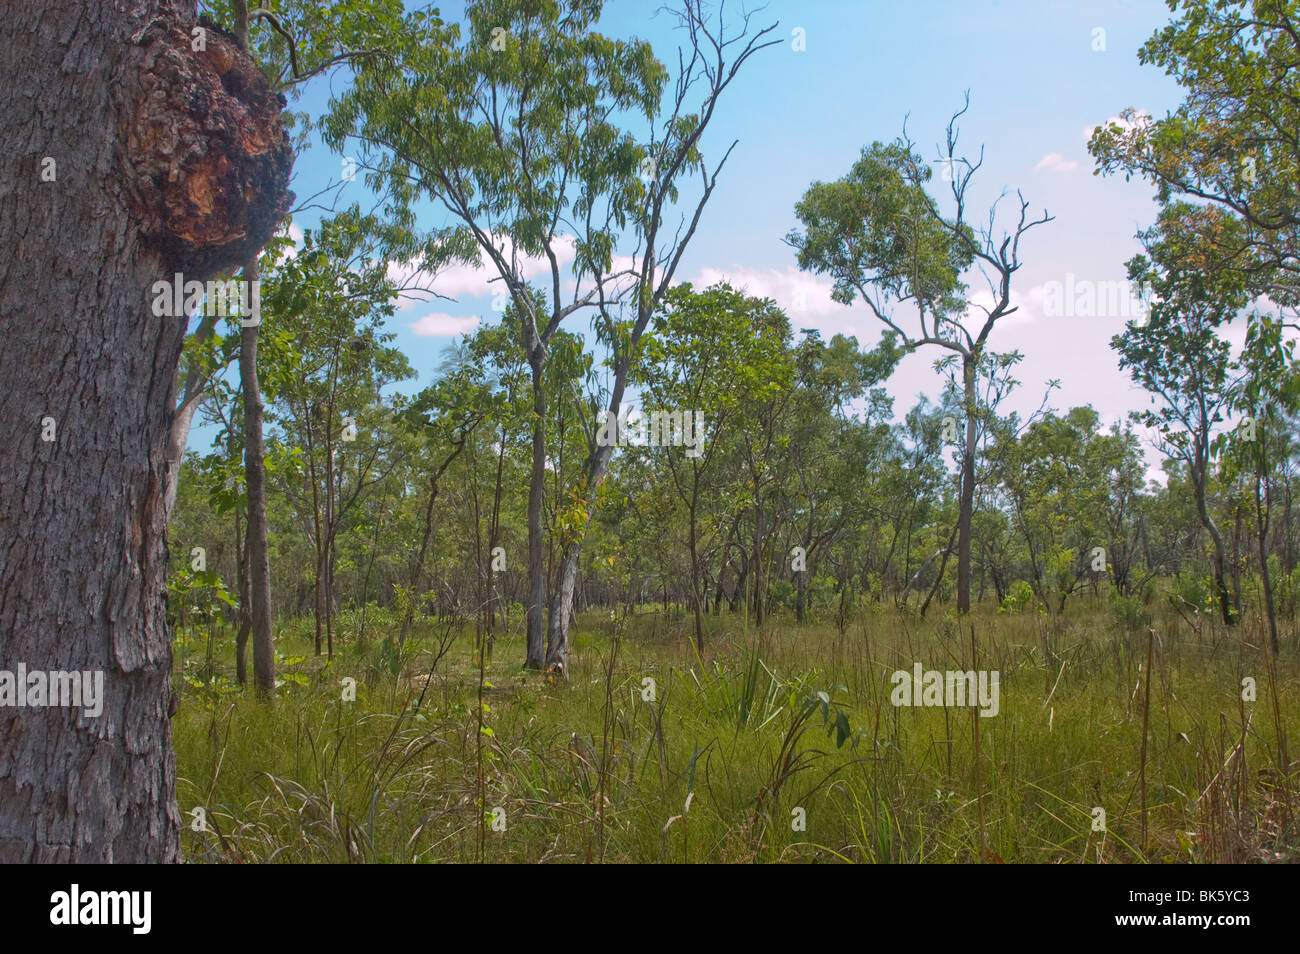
771,745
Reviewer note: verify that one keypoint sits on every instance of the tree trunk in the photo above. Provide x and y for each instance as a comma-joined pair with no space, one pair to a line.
1288,562
800,594
916,577
594,469
1236,560
741,591
480,584
697,570
259,552
325,601
318,530
801,576
722,568
967,488
557,630
535,612
318,596
492,537
758,559
1220,551
1221,577
244,622
557,635
417,565
130,116
999,588
938,577
1265,576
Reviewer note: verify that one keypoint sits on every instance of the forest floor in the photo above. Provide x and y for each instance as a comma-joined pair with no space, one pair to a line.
779,745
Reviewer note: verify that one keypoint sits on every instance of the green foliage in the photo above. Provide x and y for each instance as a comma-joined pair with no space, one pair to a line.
1018,599
1220,148
875,228
1129,612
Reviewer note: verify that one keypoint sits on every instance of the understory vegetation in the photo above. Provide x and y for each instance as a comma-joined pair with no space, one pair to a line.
711,762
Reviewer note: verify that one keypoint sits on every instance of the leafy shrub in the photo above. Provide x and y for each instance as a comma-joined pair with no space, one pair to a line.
1129,612
1018,598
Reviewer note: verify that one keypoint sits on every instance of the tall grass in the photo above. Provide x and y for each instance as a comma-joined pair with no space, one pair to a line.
1153,730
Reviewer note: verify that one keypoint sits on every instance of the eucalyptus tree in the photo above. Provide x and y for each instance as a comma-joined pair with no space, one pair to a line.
835,460
885,241
514,133
225,469
762,440
575,391
1233,144
291,42
1226,166
497,349
911,483
1067,487
444,417
1180,357
709,354
1268,395
330,301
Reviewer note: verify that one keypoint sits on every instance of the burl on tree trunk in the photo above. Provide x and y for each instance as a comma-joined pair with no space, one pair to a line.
134,149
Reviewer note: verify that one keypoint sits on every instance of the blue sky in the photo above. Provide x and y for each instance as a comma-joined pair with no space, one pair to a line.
1036,83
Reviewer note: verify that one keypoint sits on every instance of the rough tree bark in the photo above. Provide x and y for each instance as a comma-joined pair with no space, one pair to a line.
165,160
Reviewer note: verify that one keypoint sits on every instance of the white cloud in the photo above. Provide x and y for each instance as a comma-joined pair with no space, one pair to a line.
456,281
438,324
1055,162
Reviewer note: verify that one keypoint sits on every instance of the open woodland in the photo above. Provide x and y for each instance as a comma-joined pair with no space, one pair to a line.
637,569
